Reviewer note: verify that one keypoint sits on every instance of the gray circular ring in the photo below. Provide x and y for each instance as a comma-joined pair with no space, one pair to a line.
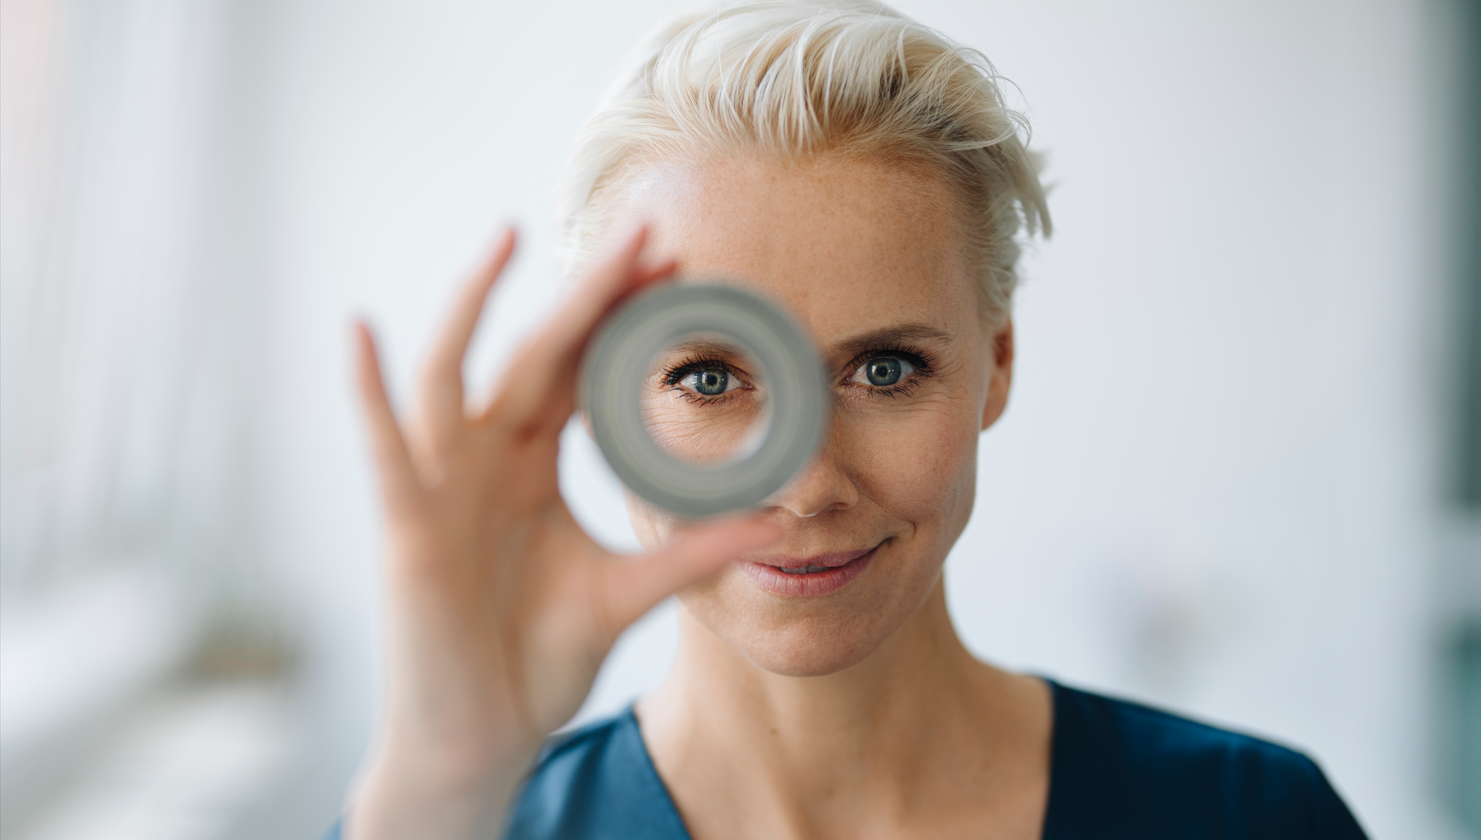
617,361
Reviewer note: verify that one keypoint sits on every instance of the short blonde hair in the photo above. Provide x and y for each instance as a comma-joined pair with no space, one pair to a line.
802,79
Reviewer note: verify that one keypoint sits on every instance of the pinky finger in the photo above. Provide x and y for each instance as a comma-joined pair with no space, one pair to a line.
392,459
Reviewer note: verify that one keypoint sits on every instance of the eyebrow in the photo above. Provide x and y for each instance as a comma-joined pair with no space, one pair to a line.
854,344
705,347
891,335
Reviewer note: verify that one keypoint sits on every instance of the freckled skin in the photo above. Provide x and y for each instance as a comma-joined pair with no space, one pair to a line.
857,713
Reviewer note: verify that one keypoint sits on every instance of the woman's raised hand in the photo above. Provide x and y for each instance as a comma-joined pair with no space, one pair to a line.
500,608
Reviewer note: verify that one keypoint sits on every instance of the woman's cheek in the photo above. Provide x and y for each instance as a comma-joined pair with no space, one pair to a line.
916,463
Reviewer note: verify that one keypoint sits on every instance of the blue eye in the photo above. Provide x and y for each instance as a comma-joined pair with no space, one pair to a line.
888,371
710,383
882,371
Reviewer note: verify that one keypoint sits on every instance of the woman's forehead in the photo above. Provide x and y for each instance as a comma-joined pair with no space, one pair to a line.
851,246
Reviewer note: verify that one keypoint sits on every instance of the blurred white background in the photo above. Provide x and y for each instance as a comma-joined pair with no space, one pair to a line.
1225,484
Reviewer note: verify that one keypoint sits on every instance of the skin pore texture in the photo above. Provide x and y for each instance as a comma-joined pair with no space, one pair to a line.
855,712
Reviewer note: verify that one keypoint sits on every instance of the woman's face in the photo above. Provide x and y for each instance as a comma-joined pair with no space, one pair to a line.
869,260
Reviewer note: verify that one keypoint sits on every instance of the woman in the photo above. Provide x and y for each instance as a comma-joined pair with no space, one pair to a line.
864,172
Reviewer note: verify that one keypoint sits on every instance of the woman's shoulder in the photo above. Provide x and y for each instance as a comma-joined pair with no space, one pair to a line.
595,781
1116,762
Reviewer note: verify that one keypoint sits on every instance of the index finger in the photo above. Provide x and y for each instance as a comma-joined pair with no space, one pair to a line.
442,381
547,359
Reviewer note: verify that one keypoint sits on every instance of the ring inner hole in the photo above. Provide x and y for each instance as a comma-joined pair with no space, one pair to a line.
705,400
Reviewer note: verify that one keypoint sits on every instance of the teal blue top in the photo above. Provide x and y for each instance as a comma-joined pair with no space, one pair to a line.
1118,770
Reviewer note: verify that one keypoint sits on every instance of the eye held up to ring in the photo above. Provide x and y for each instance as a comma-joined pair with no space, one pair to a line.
617,364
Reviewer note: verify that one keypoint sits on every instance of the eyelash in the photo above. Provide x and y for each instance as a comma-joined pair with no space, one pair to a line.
921,361
918,359
674,373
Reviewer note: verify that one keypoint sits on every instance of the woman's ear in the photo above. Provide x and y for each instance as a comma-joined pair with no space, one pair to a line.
1001,376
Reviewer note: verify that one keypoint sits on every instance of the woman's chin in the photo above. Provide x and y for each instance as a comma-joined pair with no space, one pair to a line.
793,645
806,660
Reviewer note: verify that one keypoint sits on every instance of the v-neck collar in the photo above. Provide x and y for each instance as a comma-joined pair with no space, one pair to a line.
649,771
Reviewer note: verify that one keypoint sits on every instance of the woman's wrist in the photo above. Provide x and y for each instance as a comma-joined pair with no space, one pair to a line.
448,796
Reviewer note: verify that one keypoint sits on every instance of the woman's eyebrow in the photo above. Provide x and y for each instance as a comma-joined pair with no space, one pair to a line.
706,347
891,335
710,347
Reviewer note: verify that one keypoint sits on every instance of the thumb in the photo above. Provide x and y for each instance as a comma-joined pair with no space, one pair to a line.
635,587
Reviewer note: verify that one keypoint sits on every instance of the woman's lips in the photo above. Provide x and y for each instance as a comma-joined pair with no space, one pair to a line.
826,572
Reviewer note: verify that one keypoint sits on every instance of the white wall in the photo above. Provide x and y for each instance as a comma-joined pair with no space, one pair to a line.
1212,487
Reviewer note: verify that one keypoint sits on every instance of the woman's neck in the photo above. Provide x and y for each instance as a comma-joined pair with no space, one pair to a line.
918,735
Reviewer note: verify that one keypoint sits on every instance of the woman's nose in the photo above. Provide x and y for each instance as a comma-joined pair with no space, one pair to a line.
820,487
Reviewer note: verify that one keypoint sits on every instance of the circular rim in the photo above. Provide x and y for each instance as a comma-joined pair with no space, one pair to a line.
616,363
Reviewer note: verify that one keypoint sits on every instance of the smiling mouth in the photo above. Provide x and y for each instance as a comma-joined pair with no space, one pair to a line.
814,563
806,576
